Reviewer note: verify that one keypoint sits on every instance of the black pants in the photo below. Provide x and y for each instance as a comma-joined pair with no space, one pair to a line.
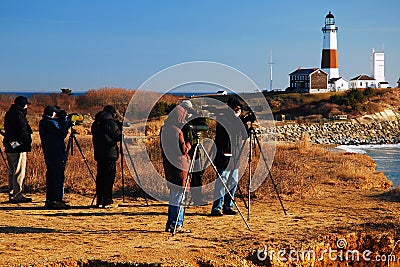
55,180
105,178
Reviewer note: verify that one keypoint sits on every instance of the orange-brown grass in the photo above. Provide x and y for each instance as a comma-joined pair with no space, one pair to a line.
303,167
297,170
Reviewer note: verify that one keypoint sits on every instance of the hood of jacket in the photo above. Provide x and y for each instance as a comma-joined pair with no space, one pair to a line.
18,108
103,115
177,117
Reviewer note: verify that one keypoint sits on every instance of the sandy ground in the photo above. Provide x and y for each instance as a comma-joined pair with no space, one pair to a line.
134,233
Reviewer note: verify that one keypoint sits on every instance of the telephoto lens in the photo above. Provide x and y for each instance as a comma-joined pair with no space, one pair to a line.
198,127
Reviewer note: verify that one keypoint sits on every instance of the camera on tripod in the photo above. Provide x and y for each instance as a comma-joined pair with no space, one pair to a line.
72,118
75,119
197,127
250,116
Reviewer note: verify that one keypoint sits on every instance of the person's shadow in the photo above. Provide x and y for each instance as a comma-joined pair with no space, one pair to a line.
25,230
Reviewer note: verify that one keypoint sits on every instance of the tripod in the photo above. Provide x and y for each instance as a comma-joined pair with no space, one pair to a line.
199,146
134,169
253,138
70,148
1,151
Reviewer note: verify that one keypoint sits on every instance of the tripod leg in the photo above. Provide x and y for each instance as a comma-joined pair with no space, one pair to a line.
249,183
236,162
122,171
269,172
226,187
4,158
136,174
241,195
69,145
93,199
185,188
85,160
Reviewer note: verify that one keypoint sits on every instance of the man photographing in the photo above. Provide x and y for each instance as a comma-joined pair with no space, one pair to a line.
53,128
229,136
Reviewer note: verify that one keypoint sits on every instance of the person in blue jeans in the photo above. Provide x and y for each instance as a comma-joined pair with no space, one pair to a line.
176,161
229,136
224,203
53,128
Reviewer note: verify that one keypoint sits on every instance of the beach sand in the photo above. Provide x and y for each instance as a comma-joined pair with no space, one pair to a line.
134,232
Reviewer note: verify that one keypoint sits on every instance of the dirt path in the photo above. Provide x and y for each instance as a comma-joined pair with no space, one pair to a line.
133,232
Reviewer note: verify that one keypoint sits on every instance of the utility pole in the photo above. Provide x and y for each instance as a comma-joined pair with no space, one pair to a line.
270,71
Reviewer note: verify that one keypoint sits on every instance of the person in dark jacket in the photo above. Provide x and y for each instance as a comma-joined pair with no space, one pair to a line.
106,133
176,161
229,136
53,128
17,141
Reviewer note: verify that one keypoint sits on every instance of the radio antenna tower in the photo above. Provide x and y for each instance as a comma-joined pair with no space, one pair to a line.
270,71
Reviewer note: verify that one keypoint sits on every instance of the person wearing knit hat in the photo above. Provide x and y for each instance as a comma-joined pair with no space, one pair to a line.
21,101
187,104
17,141
176,161
110,109
53,129
229,136
233,102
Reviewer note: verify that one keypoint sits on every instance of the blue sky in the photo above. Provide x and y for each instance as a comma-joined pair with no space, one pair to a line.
46,45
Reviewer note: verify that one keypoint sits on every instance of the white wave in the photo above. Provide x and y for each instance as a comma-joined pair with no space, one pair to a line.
361,149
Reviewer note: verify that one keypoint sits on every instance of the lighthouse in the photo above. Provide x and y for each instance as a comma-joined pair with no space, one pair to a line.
329,61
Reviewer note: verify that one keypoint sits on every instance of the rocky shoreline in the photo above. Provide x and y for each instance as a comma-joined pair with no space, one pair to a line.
341,133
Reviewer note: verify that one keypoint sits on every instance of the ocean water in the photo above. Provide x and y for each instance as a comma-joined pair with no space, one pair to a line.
78,93
30,94
387,158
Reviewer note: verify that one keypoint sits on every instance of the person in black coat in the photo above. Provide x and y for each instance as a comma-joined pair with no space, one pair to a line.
53,129
229,136
17,141
106,133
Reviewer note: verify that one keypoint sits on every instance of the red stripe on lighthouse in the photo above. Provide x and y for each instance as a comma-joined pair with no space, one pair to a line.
329,59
